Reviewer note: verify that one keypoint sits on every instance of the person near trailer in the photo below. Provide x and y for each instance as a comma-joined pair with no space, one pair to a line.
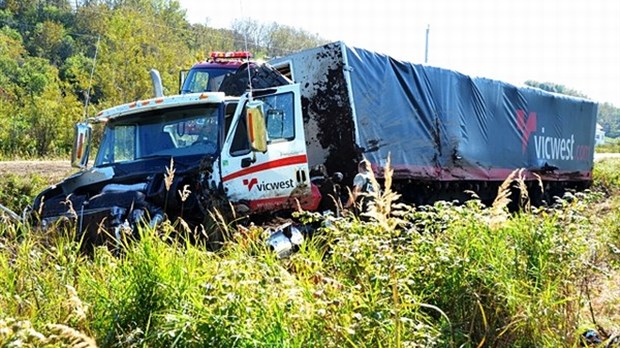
361,193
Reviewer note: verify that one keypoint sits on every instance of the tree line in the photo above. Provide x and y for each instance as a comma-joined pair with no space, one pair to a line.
56,56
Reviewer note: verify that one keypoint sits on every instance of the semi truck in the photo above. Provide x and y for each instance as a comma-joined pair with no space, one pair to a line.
258,148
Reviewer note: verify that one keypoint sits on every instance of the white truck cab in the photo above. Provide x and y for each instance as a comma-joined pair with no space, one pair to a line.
248,150
272,173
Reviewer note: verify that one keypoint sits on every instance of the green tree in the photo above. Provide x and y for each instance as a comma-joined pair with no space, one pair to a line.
34,76
283,39
132,45
44,115
556,88
48,40
52,117
609,118
26,14
48,50
11,54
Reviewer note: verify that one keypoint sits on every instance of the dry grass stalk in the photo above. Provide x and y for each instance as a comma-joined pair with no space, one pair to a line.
184,194
185,226
79,309
383,204
540,182
18,333
40,212
499,211
169,176
524,198
67,202
503,193
63,334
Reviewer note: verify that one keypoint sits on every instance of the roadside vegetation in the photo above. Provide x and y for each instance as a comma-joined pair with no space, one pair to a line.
442,275
612,145
64,60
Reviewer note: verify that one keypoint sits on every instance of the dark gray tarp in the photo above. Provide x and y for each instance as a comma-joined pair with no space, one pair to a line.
439,124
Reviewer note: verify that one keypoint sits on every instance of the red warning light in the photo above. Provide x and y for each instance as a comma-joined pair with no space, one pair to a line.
231,55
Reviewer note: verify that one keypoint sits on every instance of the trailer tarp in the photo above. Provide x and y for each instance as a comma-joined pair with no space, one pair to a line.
437,123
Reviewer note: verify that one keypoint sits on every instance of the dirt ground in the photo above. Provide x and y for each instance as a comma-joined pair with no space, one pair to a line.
54,170
61,168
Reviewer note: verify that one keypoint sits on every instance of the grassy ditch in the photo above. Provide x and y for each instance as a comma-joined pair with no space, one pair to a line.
443,275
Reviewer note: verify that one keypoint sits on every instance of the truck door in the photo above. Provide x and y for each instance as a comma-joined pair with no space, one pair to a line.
277,178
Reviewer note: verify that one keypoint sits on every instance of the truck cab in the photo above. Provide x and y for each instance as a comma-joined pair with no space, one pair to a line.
182,156
207,76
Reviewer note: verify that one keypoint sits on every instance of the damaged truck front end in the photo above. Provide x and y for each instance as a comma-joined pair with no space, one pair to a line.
152,155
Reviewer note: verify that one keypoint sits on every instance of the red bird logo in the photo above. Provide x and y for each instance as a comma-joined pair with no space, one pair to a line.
526,126
250,183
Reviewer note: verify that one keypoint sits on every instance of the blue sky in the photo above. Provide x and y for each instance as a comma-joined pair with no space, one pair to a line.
571,42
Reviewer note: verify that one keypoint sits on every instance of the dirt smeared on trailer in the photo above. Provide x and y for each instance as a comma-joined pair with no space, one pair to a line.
326,106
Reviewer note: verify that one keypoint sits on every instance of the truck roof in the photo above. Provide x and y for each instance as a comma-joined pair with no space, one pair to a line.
159,103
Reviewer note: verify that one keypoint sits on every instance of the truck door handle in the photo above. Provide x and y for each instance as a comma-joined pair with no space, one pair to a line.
246,162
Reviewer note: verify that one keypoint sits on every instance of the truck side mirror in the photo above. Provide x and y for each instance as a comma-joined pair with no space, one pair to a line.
182,76
81,145
257,129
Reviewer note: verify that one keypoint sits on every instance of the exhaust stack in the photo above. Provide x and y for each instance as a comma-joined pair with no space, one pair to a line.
158,88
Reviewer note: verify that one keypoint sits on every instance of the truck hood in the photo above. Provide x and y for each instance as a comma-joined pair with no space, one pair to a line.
123,172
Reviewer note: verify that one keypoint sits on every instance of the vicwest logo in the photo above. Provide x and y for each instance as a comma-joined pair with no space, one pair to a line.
547,147
526,126
268,186
553,148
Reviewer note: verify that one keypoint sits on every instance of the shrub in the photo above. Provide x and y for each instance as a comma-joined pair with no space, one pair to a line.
17,191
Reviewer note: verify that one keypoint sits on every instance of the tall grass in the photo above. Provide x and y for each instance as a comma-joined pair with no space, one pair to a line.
442,275
17,191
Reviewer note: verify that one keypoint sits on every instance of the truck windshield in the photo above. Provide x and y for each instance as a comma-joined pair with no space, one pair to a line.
205,79
177,132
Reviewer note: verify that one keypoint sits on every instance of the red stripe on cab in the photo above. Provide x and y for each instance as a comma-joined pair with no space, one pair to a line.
286,161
